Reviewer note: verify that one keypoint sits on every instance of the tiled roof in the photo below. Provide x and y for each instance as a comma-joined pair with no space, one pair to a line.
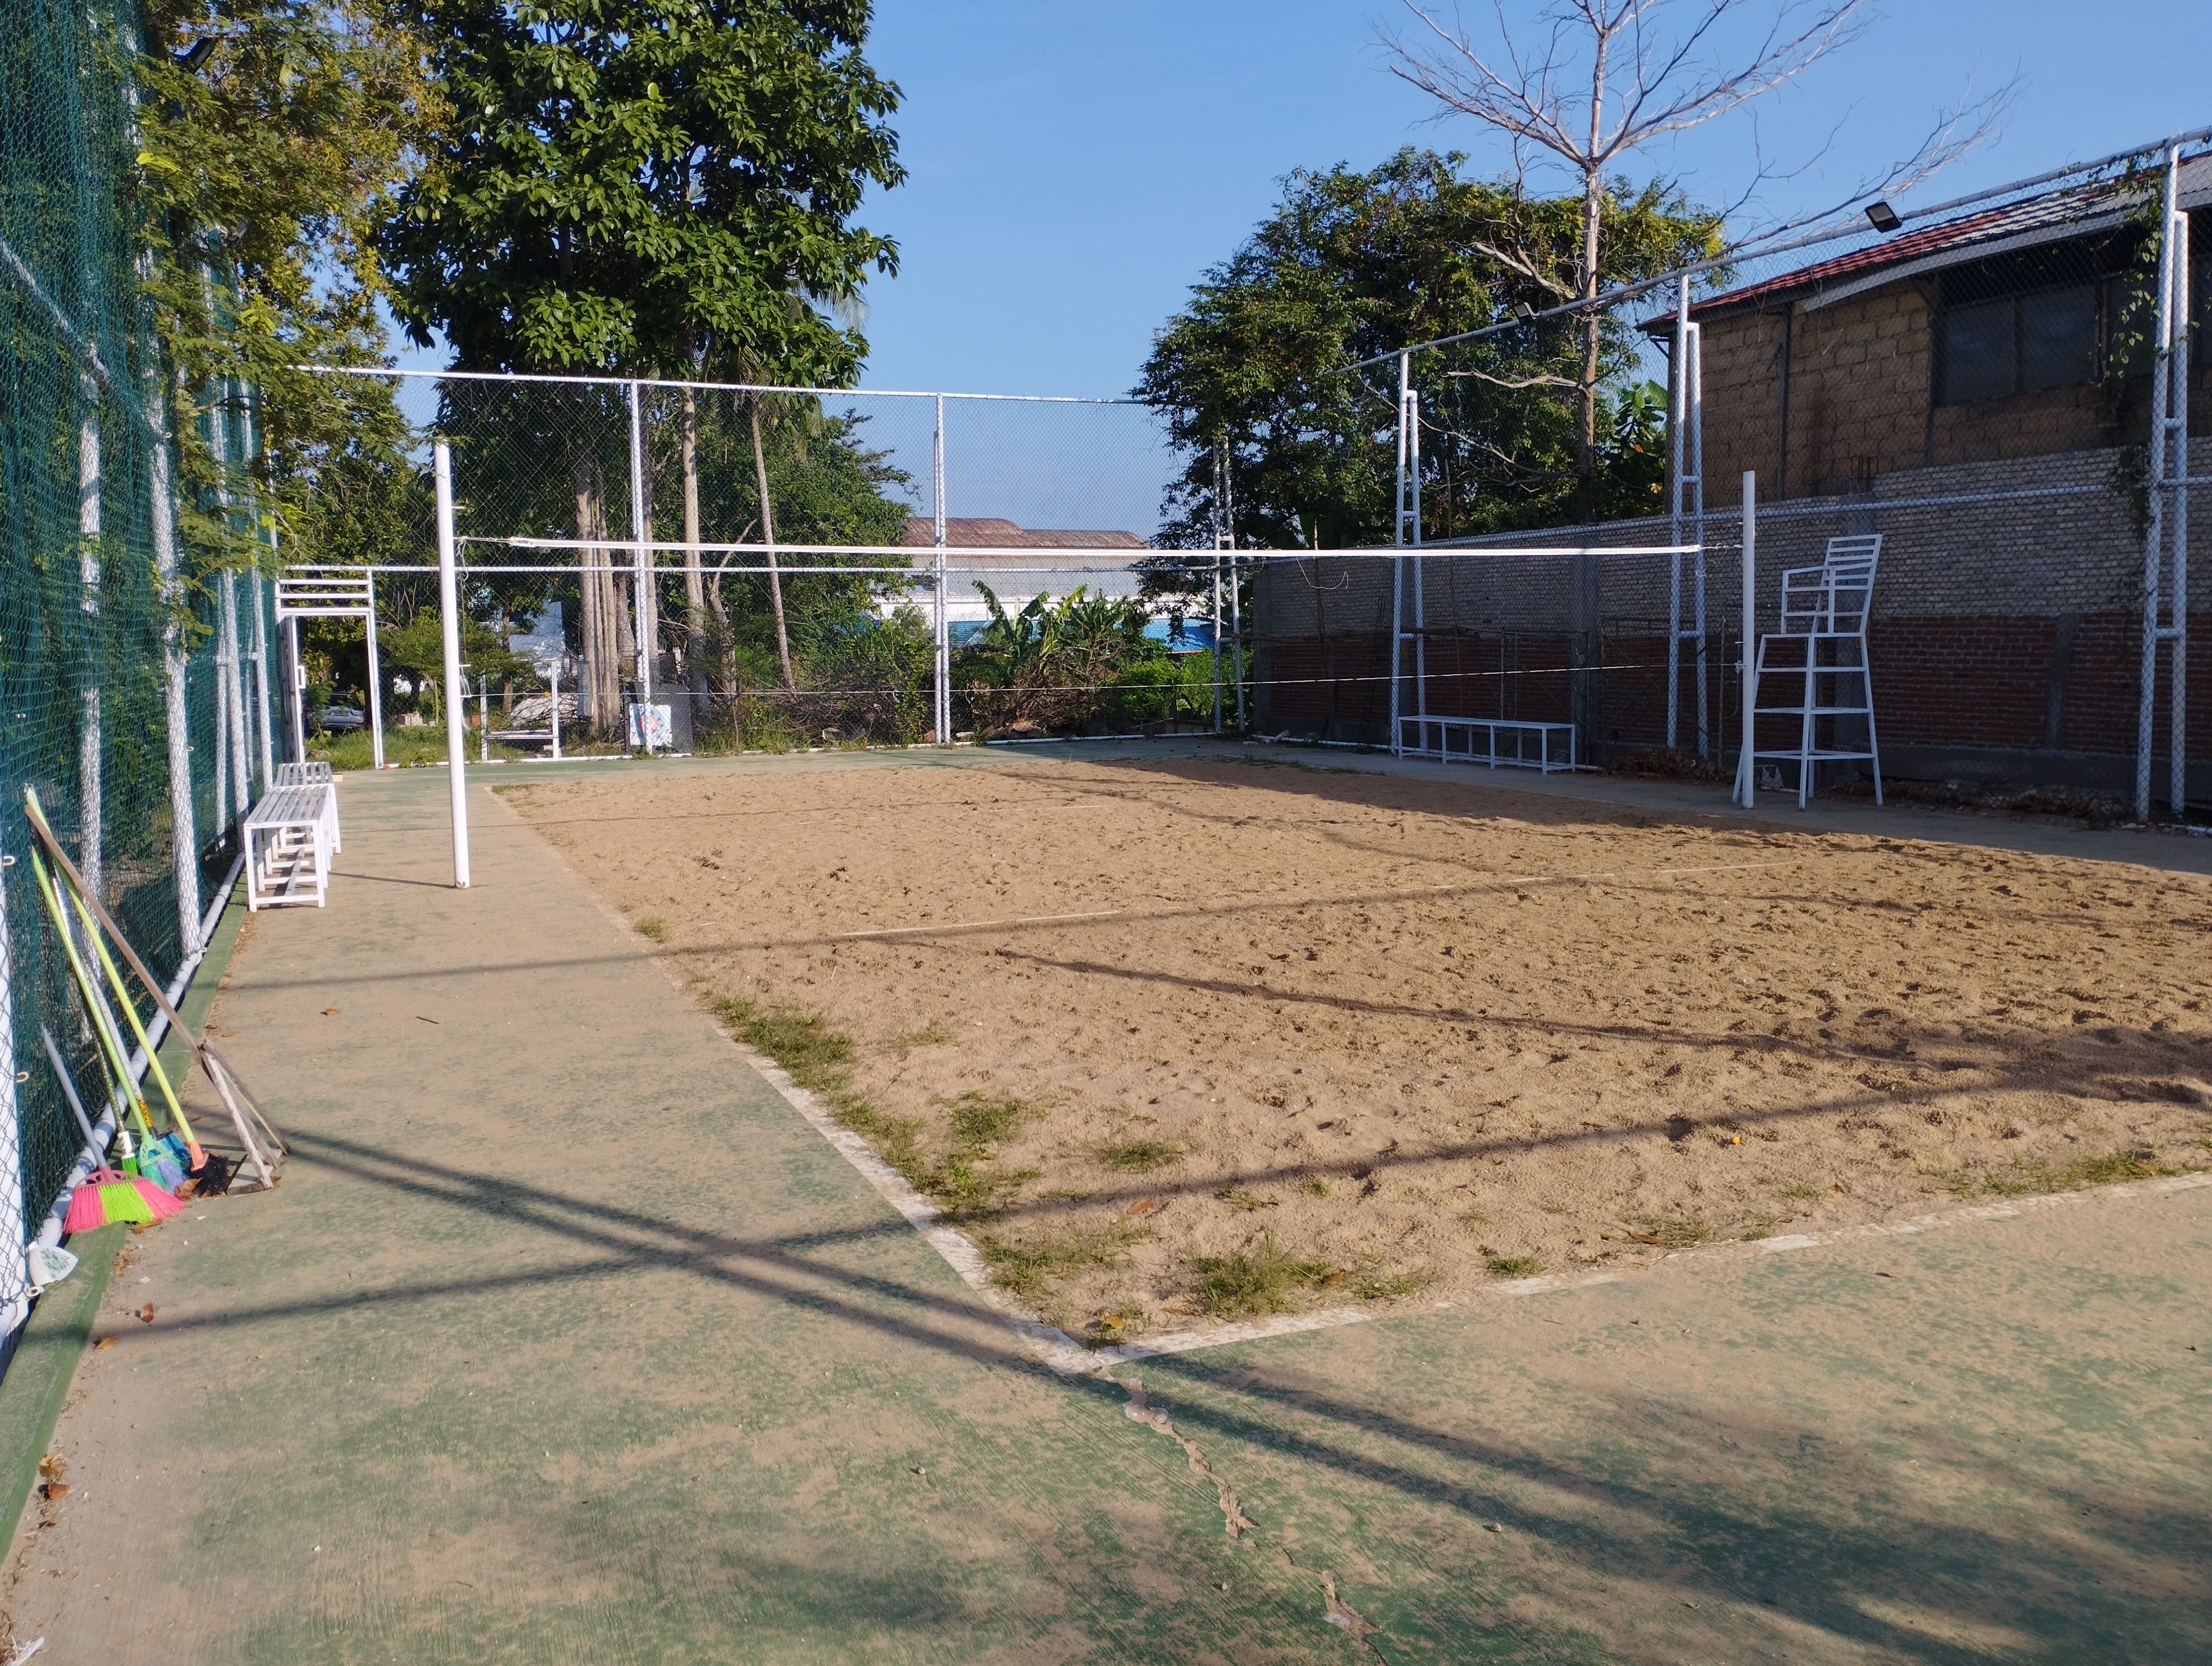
993,532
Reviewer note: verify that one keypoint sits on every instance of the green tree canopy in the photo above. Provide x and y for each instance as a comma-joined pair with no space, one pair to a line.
645,185
1352,264
270,134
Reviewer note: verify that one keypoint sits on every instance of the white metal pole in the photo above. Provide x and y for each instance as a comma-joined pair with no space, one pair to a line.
640,532
375,680
941,670
449,606
1747,771
1696,507
1678,455
1235,597
2177,484
1420,594
2161,405
1217,535
185,851
553,675
91,742
268,740
483,717
14,1271
1398,563
295,702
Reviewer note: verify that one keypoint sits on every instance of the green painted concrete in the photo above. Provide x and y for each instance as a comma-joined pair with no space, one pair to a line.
566,1339
44,1362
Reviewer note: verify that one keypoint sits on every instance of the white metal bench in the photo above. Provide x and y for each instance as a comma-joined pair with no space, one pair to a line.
317,775
1498,742
288,846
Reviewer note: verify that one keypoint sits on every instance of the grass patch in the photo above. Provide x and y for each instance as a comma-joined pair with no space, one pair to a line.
1138,1156
1243,1199
1027,1270
1314,1186
1264,1279
930,1035
1759,1226
820,1058
1372,1281
2022,1179
1670,1232
654,927
1802,1191
1511,1266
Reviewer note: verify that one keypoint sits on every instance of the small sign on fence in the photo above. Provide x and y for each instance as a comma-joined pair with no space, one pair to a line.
651,729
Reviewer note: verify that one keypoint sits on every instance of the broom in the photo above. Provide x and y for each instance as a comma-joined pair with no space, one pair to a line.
103,1196
236,1095
103,1021
197,1163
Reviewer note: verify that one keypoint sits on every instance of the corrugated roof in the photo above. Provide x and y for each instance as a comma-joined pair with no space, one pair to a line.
2072,210
995,532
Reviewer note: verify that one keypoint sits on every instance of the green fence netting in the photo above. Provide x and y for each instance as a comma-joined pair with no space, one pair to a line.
106,642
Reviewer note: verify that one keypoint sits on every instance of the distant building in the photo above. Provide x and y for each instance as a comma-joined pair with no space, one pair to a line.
1020,563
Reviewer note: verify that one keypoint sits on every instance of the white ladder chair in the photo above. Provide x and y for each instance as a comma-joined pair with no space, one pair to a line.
1823,644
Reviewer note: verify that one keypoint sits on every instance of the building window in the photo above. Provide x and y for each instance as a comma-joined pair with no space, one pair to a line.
2017,343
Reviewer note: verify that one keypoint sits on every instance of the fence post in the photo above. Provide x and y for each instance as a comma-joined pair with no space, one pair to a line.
1398,562
2167,521
15,1256
375,681
641,530
184,853
91,745
1746,770
941,669
449,608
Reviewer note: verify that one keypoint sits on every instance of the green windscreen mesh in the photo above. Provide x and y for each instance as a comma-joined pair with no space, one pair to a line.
106,637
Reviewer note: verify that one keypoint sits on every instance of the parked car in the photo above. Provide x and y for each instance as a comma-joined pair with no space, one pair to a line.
331,719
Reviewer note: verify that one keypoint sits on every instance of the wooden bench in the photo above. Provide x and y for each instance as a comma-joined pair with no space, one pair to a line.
1498,742
315,774
288,846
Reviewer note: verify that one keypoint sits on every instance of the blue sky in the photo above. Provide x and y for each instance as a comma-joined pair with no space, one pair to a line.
1075,168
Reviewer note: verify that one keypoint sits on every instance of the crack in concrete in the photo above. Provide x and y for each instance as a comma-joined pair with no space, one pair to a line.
1334,1609
1234,1521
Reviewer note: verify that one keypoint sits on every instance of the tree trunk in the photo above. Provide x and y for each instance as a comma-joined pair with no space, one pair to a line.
695,628
768,539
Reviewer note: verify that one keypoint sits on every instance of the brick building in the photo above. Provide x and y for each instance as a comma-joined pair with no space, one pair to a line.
1975,391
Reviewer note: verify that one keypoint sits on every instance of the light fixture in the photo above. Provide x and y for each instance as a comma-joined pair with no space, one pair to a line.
1523,311
1885,218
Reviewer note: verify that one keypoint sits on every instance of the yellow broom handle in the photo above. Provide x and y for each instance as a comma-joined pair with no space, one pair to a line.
123,999
110,1045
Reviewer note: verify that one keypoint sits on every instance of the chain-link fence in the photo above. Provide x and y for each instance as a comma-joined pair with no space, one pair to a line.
1998,387
129,676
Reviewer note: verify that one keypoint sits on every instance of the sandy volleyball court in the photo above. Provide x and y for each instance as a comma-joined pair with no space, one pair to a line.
1214,1036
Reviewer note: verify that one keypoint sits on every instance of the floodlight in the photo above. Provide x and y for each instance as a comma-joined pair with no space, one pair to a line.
1523,311
1885,217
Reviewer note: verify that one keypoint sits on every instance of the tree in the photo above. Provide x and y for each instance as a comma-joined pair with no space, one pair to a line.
270,135
1354,265
644,187
1609,80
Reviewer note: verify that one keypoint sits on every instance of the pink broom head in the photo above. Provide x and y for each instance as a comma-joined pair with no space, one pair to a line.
158,1201
104,1197
85,1211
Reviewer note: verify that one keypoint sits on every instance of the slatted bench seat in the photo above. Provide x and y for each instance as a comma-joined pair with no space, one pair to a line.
1499,742
288,846
315,774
